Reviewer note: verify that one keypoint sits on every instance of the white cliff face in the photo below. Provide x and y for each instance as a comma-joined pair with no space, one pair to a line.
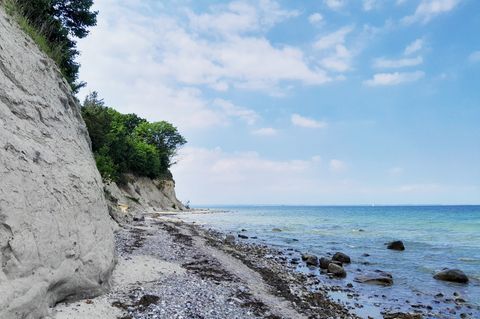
140,195
56,238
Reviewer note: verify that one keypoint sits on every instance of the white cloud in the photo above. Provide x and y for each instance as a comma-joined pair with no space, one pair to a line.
388,79
157,66
369,5
337,166
335,4
395,171
231,110
419,188
428,9
333,39
398,63
332,48
265,131
315,18
400,2
240,17
306,122
474,57
414,47
213,175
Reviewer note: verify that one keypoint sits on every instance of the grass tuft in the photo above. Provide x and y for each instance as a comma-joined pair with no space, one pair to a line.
54,52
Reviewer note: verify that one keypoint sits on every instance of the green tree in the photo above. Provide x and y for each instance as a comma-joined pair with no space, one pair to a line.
127,143
61,22
164,136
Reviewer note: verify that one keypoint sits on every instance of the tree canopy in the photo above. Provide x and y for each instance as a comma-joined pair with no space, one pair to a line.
126,143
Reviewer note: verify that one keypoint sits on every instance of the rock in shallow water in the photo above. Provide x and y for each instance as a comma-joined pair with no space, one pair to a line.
380,278
396,245
336,270
452,275
324,262
310,260
341,257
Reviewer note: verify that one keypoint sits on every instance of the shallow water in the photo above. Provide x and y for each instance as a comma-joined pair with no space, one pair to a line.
435,237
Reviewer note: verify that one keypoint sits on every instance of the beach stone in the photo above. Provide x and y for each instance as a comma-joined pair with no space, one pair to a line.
401,315
336,270
230,239
324,262
379,278
396,245
139,218
341,257
452,275
310,260
242,236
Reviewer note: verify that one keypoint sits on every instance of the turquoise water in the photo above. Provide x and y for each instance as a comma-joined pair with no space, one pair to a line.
435,237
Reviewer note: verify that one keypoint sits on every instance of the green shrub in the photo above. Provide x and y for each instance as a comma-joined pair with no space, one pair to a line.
126,143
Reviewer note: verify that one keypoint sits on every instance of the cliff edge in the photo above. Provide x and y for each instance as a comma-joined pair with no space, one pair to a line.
56,238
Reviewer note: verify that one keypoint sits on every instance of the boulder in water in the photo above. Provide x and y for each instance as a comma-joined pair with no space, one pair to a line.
396,245
324,262
310,260
336,270
276,230
378,278
341,257
452,275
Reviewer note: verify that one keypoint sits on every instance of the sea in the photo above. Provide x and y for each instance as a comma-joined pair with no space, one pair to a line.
435,237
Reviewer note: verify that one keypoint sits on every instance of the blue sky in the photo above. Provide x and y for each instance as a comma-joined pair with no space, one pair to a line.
302,102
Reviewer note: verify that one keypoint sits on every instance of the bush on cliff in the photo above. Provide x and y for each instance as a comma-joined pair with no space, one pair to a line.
126,143
53,25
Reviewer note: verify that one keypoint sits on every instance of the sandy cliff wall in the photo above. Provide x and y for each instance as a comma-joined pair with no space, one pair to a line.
56,239
139,195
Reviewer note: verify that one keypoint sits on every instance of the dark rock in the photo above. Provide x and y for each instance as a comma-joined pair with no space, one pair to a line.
139,218
337,270
243,230
383,279
366,255
396,245
324,262
341,257
294,261
242,236
400,315
453,275
276,230
310,260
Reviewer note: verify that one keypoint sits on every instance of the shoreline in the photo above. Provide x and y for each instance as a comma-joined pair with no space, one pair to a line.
162,253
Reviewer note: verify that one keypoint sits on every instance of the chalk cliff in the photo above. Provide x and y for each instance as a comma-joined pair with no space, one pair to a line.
139,195
56,238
